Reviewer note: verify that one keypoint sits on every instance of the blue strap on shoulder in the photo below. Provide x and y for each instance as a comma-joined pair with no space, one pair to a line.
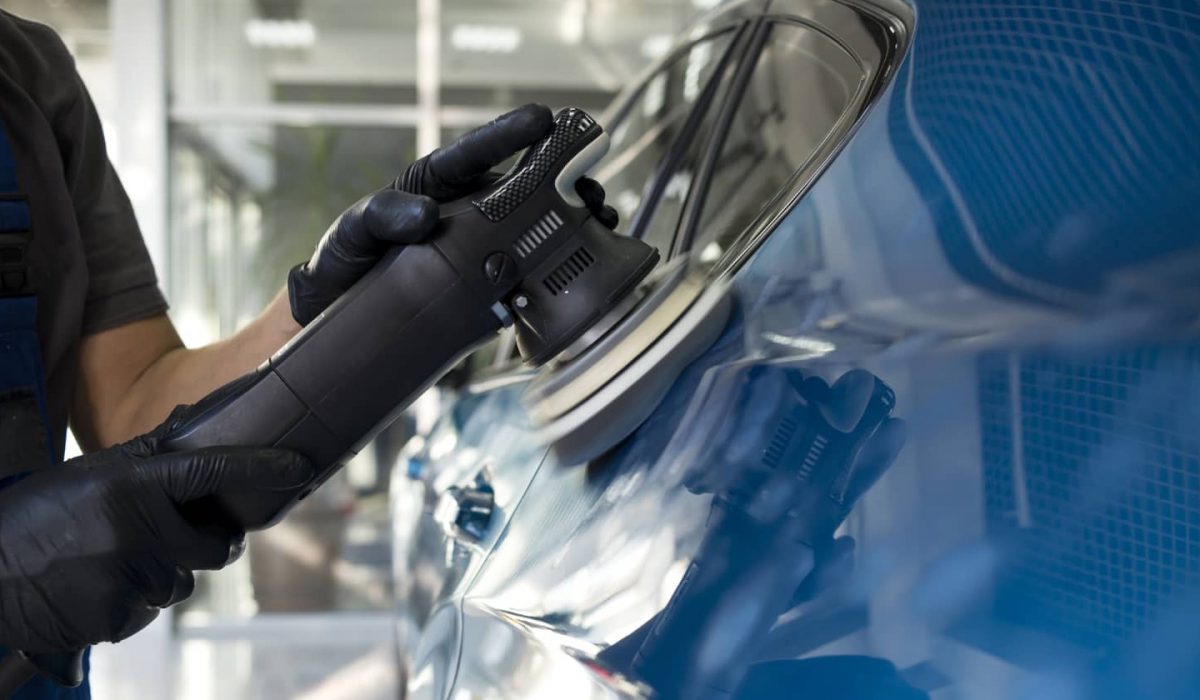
14,209
20,350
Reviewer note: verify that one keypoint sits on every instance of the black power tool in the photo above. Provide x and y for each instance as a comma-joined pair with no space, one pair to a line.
524,251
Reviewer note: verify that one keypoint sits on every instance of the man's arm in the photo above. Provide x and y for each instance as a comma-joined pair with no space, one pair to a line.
132,376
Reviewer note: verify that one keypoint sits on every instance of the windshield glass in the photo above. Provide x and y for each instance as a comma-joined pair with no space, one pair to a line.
652,124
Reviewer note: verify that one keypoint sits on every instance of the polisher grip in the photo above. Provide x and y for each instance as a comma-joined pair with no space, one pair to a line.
575,143
342,380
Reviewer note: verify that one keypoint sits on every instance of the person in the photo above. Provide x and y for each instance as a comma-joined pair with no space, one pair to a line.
92,549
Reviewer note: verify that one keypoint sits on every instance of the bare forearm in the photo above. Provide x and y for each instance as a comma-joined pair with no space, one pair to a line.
109,412
186,375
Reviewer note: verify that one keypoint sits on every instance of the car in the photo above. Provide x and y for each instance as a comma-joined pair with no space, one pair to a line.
955,241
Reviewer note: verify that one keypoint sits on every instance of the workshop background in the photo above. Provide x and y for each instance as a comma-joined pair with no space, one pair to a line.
241,128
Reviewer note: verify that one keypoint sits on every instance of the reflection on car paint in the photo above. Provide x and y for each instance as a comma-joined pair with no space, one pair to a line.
1008,243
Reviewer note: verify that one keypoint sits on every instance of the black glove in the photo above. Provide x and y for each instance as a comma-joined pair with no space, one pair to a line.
855,413
407,211
92,549
827,446
786,456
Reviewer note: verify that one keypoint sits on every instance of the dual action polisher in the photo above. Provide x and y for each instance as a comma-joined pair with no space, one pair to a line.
524,251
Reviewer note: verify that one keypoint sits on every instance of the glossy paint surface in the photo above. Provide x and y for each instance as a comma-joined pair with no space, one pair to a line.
1007,241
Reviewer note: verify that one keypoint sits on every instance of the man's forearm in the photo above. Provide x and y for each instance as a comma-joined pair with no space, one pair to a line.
113,409
186,375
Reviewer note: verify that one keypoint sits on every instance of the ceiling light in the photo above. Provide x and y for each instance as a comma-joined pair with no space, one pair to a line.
281,33
706,4
573,24
656,46
485,38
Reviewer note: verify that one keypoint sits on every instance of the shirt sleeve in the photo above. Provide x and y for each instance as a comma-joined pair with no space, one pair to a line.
122,285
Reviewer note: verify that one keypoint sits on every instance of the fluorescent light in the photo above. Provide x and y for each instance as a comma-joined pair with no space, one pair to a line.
485,38
281,33
656,46
573,23
808,347
706,4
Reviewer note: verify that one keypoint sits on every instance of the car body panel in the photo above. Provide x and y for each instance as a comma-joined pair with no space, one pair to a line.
1006,237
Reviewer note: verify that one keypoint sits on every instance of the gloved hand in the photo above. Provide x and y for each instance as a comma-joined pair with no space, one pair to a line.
406,212
854,414
827,446
786,456
92,549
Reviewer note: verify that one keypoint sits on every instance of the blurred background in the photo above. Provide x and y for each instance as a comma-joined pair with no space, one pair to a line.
241,128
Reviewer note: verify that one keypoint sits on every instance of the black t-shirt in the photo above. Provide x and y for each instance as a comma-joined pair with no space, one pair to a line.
88,263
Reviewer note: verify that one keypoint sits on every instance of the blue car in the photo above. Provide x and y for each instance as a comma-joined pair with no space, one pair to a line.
910,409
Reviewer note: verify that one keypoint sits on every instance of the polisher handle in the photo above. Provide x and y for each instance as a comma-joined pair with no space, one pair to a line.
343,379
575,143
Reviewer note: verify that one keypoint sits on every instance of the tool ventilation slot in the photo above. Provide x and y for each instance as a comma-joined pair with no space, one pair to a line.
773,455
538,234
566,273
810,460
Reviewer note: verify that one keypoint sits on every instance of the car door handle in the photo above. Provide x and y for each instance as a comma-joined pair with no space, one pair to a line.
465,512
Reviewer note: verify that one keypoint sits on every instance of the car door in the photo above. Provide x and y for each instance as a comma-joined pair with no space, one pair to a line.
456,486
594,552
1042,510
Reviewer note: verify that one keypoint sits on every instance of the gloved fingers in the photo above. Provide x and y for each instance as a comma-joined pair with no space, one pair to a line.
445,173
834,563
394,217
130,618
592,194
366,229
208,551
163,586
187,476
205,539
156,579
237,547
608,217
194,539
848,399
875,458
811,387
354,244
590,191
184,586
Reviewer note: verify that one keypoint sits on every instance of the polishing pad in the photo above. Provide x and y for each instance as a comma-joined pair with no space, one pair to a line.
587,402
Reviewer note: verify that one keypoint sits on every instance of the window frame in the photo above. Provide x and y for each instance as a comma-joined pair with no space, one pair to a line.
507,361
890,38
891,35
710,98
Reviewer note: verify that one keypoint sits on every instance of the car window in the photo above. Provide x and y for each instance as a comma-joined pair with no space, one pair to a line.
650,127
642,136
661,223
802,84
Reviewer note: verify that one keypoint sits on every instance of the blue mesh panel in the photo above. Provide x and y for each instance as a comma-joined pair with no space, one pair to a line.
1068,128
1111,460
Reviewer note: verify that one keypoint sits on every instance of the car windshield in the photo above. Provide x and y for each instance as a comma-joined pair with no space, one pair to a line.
802,84
654,121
